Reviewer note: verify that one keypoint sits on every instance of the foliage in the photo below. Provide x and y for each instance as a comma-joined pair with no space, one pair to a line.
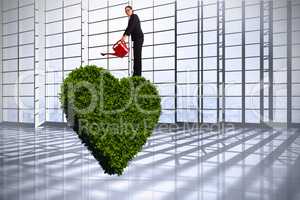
113,117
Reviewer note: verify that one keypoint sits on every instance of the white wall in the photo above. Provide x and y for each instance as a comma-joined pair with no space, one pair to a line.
106,25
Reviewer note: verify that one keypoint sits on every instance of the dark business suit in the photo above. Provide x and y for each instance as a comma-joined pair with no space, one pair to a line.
137,36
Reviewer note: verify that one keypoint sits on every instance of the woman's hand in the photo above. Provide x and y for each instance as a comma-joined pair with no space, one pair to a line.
124,37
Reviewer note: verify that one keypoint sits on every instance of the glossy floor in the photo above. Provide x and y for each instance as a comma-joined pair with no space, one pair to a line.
178,163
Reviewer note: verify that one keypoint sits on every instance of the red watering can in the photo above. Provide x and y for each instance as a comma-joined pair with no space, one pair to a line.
120,49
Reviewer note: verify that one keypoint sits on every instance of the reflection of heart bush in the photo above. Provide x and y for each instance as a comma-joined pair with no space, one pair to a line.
112,117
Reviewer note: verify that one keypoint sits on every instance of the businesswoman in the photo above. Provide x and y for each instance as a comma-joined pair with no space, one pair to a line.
137,36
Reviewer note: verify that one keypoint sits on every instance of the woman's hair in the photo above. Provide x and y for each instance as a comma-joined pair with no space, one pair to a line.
130,7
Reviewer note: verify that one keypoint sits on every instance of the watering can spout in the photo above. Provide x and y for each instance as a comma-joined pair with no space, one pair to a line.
104,54
120,49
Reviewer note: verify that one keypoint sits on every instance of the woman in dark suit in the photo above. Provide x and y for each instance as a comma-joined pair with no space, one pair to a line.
137,36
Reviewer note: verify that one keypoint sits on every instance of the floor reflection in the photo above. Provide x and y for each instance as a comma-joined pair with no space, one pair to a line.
240,163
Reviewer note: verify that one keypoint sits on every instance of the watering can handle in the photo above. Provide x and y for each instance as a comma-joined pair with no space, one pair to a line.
118,43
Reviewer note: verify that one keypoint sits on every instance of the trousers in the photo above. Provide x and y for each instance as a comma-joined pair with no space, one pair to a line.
137,57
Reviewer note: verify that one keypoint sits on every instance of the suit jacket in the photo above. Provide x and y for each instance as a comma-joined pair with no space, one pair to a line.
134,28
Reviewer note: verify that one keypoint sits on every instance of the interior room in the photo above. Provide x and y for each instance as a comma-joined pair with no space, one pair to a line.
227,75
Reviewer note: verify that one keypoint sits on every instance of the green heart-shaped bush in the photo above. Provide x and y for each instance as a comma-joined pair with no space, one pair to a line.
112,117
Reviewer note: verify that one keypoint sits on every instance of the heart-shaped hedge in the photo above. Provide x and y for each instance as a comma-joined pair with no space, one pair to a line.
112,117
